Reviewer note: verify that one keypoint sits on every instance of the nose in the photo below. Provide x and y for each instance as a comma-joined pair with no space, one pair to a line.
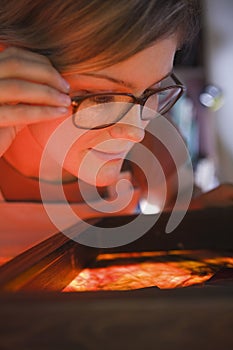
131,127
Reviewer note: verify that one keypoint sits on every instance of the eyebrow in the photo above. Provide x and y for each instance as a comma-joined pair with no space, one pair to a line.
119,81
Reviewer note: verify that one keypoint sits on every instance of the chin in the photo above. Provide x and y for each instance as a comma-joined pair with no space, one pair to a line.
107,175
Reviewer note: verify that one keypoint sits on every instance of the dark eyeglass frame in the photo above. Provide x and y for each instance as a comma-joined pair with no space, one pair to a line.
141,100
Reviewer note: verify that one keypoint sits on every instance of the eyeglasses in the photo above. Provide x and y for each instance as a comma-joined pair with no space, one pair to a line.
98,111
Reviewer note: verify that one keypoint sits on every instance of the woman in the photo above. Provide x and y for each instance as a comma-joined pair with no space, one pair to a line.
60,58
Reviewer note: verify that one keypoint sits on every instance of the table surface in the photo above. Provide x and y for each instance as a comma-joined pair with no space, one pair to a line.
193,317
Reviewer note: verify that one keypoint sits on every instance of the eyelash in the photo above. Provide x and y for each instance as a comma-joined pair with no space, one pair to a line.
89,92
81,93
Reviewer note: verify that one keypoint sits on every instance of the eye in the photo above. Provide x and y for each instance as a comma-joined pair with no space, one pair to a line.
80,93
148,92
102,99
152,88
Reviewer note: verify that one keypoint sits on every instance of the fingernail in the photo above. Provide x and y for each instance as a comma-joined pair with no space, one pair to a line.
61,110
65,100
117,129
65,85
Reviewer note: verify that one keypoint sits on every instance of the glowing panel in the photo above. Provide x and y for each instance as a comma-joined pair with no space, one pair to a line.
127,271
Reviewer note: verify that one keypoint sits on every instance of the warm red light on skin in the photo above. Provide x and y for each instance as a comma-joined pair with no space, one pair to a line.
159,59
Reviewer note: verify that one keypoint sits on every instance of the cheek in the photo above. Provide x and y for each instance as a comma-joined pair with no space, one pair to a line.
75,157
90,169
42,131
66,137
62,150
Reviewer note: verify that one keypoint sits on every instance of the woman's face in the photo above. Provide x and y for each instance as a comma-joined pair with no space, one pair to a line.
97,155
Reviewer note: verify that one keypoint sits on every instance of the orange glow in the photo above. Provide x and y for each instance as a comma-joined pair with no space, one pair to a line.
165,270
4,260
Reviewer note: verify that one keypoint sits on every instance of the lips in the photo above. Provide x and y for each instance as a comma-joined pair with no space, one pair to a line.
108,155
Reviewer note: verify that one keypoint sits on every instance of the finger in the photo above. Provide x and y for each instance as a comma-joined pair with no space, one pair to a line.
20,91
17,63
25,114
12,51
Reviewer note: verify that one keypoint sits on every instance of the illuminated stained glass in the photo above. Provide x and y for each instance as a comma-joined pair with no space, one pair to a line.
165,270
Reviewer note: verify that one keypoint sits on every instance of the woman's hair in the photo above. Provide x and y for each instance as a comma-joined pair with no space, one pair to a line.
84,35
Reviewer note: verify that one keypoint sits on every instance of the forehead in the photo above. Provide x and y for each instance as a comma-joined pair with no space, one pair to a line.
147,66
134,74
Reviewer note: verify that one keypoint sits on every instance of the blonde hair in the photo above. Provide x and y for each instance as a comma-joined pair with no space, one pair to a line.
84,35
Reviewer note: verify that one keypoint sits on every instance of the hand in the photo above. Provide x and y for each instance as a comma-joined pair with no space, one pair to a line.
31,90
221,196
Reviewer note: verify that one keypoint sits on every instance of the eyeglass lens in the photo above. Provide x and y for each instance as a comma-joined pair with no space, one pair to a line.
99,111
